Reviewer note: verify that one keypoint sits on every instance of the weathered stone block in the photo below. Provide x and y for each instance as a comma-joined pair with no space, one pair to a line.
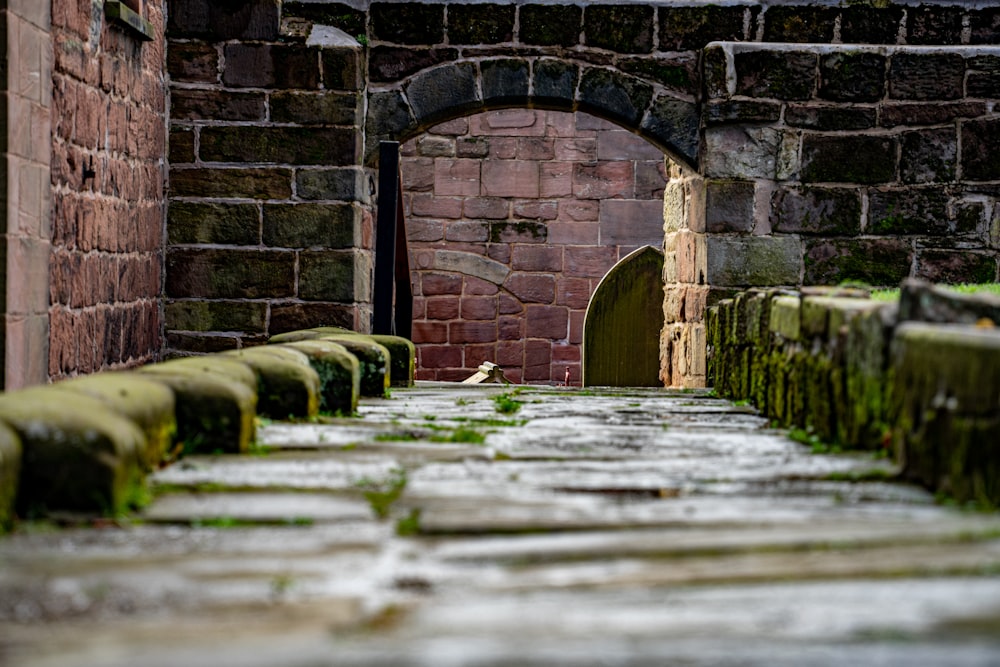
505,81
829,117
339,374
191,104
874,24
799,23
295,316
848,159
10,474
181,146
233,224
342,69
554,80
753,260
956,266
271,66
147,404
213,273
326,108
742,152
201,343
786,317
287,386
407,23
922,302
77,454
673,125
934,25
944,398
784,75
345,17
550,25
729,206
984,26
741,111
894,115
203,315
981,150
447,89
274,183
909,211
480,24
614,96
852,77
335,275
344,183
690,28
920,76
877,262
929,156
292,145
312,225
826,211
679,72
393,63
621,28
193,62
214,412
374,361
222,21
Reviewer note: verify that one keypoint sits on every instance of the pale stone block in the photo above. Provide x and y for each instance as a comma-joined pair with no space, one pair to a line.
502,178
36,12
754,261
27,353
742,152
27,275
673,206
471,265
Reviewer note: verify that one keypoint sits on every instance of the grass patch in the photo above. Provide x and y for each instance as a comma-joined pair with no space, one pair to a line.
232,522
409,525
406,436
813,441
462,434
506,404
381,494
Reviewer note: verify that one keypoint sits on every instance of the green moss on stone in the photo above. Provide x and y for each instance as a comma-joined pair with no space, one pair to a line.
287,386
339,374
10,474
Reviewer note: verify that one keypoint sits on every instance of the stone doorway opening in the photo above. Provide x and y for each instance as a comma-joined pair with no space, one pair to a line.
513,217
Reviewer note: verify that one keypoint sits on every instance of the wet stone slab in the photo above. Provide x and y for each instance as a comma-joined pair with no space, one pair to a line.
491,525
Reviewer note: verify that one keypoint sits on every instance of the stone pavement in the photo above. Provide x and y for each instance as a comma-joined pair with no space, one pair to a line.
610,527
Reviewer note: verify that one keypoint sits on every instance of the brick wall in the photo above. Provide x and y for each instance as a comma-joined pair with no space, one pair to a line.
107,186
269,226
513,217
24,182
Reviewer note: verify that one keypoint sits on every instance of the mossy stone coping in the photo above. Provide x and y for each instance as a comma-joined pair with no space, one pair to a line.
148,403
287,385
374,359
403,352
214,412
338,370
78,454
10,473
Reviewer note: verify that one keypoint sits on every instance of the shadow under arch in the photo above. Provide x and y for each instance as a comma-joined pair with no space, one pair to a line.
662,117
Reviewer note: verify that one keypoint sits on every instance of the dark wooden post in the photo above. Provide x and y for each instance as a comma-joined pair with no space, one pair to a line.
392,293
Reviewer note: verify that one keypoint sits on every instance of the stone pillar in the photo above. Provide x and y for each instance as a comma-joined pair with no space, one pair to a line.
26,30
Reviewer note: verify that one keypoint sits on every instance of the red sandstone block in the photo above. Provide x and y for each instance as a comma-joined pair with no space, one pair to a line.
425,374
509,123
589,262
458,176
423,230
535,148
477,354
531,288
510,327
555,179
577,149
536,209
619,144
440,283
632,222
499,252
604,180
560,124
62,342
510,354
576,318
547,322
537,360
574,233
451,128
472,332
418,174
565,353
467,231
479,287
440,356
503,178
419,308
430,206
487,208
579,210
479,308
509,305
442,308
514,375
573,292
537,258
453,374
502,148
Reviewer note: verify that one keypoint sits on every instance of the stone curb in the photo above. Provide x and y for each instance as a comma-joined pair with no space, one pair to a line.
86,444
862,374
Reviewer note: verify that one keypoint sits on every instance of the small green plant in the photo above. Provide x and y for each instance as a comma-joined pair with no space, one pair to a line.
405,436
461,402
281,584
258,449
506,404
381,494
430,418
361,39
462,434
409,524
813,441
